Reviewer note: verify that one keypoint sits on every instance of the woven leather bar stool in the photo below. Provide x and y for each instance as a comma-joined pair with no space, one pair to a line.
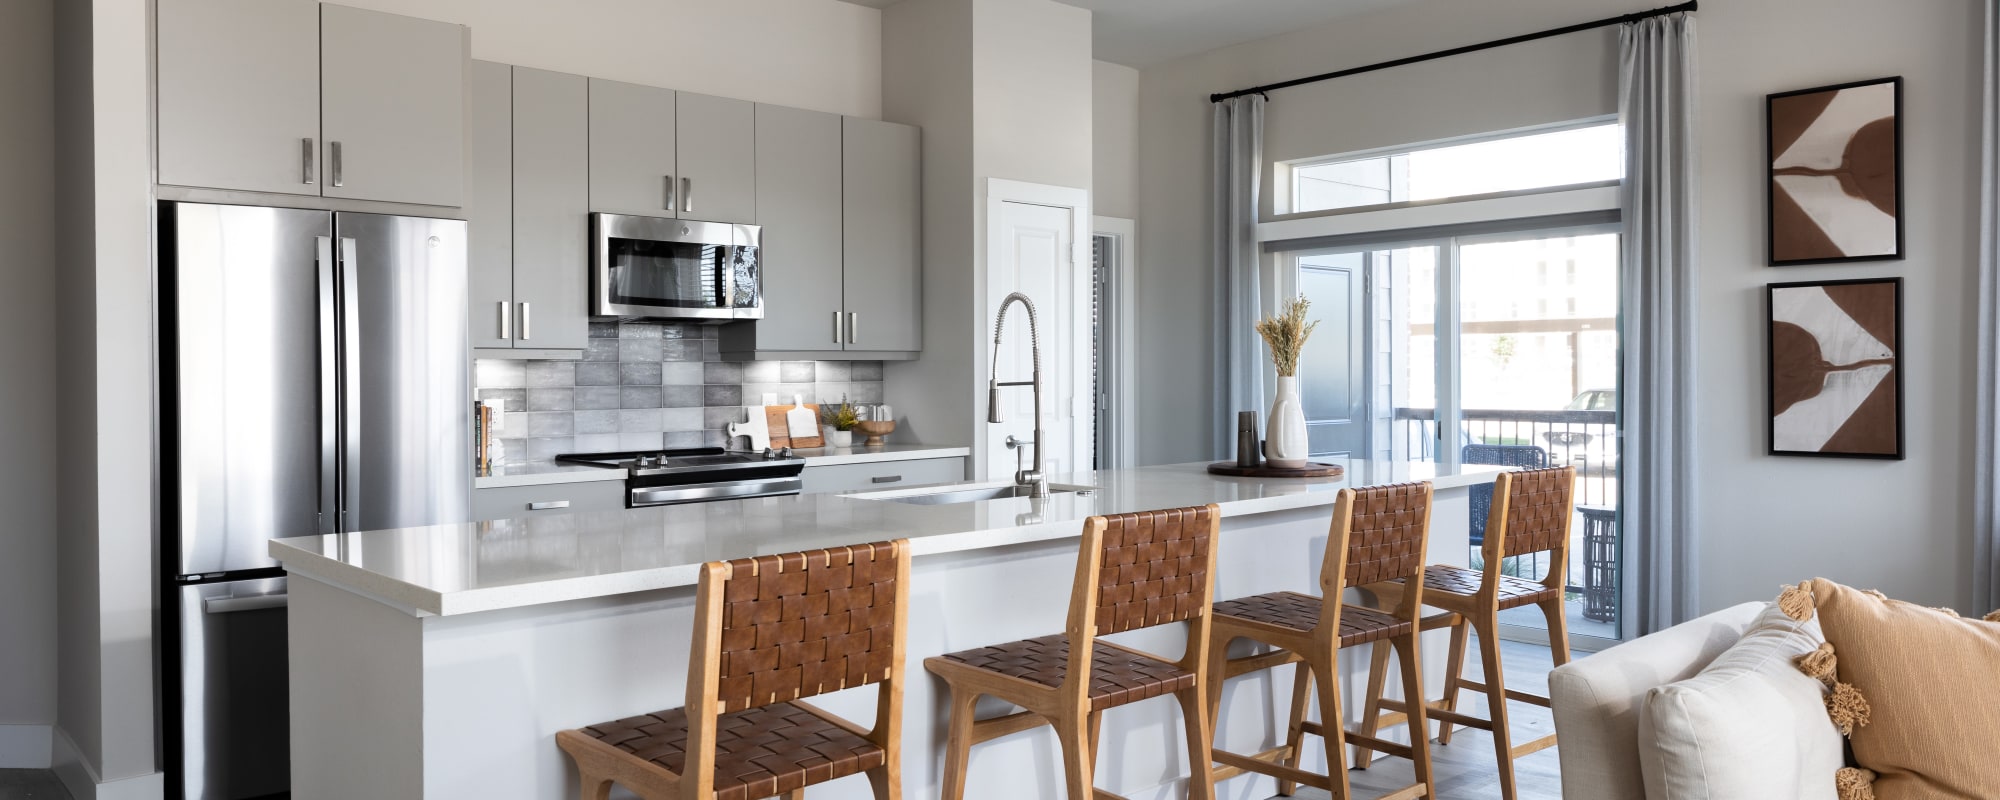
769,631
1378,534
1133,571
1531,514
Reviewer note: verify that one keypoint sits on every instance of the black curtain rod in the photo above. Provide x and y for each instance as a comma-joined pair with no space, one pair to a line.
1458,51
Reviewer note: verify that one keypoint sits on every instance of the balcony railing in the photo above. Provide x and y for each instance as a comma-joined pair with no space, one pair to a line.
1586,439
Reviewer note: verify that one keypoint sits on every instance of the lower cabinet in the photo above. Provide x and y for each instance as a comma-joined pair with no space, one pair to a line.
883,475
510,502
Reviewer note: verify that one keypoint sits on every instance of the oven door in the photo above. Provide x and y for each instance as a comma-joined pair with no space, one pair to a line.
679,494
675,269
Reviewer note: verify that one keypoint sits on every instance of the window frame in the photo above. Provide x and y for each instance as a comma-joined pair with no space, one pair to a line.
1285,182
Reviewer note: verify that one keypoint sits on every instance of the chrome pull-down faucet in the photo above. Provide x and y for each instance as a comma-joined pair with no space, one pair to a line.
1036,478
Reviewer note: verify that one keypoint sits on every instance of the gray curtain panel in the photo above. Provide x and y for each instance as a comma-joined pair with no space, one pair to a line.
1237,169
1986,475
1656,103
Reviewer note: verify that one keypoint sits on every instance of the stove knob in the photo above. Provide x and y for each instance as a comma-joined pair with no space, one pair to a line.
768,453
785,453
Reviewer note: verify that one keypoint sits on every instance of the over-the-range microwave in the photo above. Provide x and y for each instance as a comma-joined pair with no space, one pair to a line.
653,268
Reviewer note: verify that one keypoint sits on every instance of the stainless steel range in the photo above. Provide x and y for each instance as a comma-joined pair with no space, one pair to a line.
672,477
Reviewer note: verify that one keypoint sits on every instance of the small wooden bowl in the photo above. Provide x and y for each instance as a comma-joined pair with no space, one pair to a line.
876,429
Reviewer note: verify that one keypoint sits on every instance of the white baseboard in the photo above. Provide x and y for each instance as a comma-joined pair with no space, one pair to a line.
26,746
80,778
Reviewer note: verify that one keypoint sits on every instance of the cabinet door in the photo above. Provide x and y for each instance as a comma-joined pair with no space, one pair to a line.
239,94
798,207
393,97
716,150
632,149
551,208
489,204
881,243
556,499
881,475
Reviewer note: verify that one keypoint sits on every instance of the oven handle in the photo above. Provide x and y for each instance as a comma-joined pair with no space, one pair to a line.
702,492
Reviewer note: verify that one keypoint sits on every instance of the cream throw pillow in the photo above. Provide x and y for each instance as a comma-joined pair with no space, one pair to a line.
1749,725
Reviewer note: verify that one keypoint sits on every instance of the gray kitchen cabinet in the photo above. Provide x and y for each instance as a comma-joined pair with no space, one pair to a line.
882,475
239,94
715,149
632,149
798,208
489,206
517,502
392,98
529,211
551,209
881,237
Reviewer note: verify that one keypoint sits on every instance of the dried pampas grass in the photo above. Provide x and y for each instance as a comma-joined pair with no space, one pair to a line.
1286,335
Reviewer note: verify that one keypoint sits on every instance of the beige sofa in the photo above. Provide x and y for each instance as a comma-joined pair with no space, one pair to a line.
1596,700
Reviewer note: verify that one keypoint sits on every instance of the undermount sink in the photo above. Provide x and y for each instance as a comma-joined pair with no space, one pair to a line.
961,493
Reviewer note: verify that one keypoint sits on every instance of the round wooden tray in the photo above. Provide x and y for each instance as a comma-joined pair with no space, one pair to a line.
1310,470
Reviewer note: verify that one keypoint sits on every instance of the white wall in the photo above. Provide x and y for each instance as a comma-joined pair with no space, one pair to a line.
1114,135
1762,520
815,54
29,389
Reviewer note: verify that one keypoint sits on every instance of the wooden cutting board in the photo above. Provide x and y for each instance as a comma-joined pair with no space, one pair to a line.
774,418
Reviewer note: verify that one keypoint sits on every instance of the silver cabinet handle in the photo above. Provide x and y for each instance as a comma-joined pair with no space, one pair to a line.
306,158
506,321
333,163
525,321
886,479
687,194
836,327
547,505
853,325
670,191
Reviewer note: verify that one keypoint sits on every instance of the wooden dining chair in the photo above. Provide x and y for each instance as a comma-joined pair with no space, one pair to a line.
1133,571
769,632
1378,534
1531,514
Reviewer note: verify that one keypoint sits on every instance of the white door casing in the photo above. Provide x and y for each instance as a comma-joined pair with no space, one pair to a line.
1037,240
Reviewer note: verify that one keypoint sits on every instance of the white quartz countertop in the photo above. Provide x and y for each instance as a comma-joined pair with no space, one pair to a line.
485,566
542,473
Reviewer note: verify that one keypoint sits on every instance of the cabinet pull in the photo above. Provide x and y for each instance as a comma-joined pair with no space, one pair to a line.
506,321
306,159
670,191
524,322
687,195
333,164
886,479
547,505
836,327
853,325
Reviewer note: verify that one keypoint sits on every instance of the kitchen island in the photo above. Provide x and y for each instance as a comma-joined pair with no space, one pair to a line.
439,662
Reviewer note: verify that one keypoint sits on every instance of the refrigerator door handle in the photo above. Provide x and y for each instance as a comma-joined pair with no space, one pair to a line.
329,386
225,605
350,360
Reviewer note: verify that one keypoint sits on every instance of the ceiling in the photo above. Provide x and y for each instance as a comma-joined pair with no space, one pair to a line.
1142,33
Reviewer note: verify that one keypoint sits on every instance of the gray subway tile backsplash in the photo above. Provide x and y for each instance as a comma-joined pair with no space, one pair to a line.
645,385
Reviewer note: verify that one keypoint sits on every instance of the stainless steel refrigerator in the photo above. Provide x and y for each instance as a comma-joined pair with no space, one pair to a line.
316,380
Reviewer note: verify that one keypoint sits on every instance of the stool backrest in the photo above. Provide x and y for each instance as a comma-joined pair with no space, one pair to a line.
1531,510
782,627
1138,571
1380,533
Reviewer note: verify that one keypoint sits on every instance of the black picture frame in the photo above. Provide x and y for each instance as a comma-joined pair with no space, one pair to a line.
1770,370
1770,178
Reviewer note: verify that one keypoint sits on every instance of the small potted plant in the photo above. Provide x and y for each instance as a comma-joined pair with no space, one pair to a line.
1285,335
839,421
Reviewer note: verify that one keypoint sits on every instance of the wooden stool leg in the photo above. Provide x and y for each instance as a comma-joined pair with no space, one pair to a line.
958,742
1454,671
595,788
796,794
1558,630
1201,765
1333,728
1295,734
1078,759
883,780
1096,729
1408,653
1488,628
1371,714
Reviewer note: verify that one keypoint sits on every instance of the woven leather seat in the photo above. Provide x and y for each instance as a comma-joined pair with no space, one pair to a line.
1117,676
1513,592
1358,625
759,752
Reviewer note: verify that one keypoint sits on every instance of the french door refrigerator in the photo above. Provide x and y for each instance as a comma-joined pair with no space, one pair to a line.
316,380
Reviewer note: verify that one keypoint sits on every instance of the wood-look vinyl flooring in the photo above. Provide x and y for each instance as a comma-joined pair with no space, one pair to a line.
30,784
1464,769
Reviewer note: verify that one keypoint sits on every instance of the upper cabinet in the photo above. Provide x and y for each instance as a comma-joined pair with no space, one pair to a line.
661,153
295,97
529,211
881,235
798,208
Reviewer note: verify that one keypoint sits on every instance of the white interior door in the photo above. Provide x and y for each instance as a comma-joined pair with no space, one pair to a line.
1036,256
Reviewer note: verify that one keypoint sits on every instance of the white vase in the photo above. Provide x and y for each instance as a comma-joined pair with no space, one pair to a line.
1285,440
838,438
